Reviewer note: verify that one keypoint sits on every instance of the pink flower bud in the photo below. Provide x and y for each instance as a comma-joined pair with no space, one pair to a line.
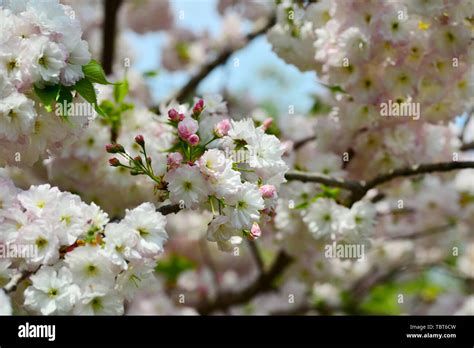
175,115
268,191
138,159
222,128
187,127
288,146
267,123
174,159
140,140
114,162
197,109
114,148
193,139
255,231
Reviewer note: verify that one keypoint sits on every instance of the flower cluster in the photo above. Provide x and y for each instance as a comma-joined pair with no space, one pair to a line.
82,167
81,262
398,71
41,67
326,217
234,171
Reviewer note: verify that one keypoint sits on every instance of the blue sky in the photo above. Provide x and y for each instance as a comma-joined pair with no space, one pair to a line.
265,78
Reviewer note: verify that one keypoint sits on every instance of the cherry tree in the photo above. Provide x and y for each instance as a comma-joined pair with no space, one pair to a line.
114,203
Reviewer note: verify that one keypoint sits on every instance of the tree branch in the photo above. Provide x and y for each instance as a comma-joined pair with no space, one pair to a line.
360,188
169,209
466,123
264,282
467,146
349,185
109,31
423,233
416,170
300,143
221,58
16,279
256,255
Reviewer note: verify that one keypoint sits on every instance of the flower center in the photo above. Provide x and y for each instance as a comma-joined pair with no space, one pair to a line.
96,303
41,243
241,204
52,292
143,231
91,270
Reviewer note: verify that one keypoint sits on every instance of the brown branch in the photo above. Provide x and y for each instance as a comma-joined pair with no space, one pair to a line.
169,209
256,255
360,188
349,185
263,283
111,8
300,143
423,233
16,280
221,58
417,170
466,123
467,146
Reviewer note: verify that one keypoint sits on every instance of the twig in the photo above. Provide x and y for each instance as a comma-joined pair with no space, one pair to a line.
111,8
221,58
256,255
300,143
262,283
467,146
422,233
416,170
169,209
360,188
350,185
466,123
16,279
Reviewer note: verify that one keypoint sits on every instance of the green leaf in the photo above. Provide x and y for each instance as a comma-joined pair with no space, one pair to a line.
174,266
126,106
47,95
121,91
85,88
107,106
302,205
94,72
334,89
64,98
151,73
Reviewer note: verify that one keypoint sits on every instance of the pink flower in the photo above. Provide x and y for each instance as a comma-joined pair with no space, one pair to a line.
268,191
193,139
255,231
174,159
267,123
222,128
114,148
114,162
175,115
187,127
140,140
197,109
